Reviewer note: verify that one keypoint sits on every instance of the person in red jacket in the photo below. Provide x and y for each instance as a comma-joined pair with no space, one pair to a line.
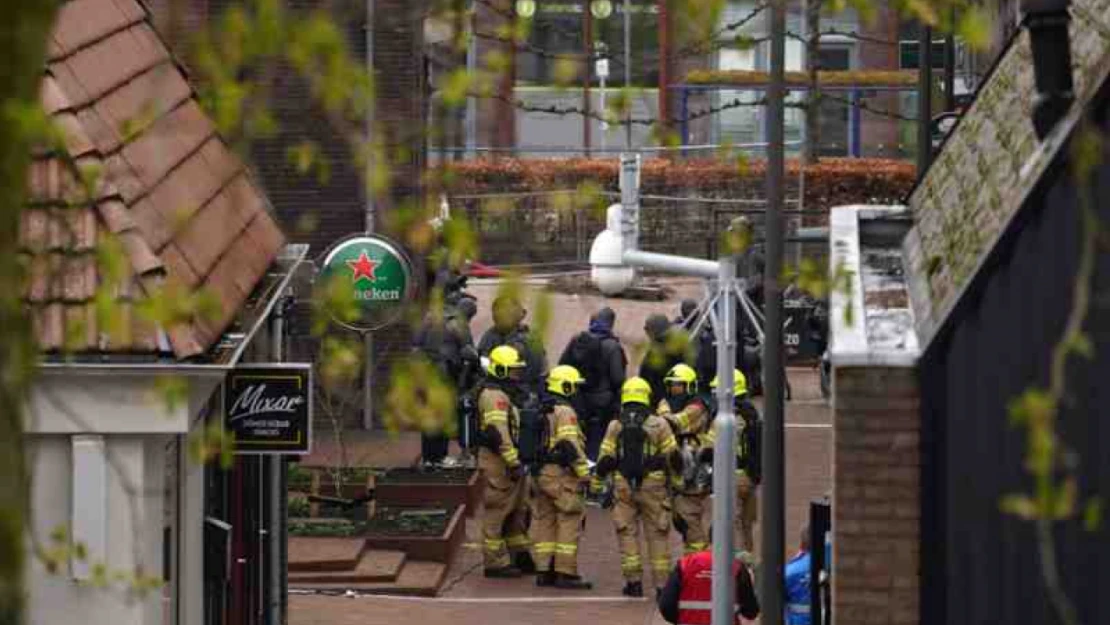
687,599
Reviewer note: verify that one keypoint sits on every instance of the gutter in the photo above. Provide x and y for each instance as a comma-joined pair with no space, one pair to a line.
291,257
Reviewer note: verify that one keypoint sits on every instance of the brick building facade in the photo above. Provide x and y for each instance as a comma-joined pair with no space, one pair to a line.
319,211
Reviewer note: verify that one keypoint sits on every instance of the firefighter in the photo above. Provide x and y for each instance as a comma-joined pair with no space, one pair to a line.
688,414
558,497
638,449
748,461
504,521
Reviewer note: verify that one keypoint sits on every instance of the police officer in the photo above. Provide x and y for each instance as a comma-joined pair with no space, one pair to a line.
558,502
504,521
446,340
666,348
509,329
638,449
748,460
688,414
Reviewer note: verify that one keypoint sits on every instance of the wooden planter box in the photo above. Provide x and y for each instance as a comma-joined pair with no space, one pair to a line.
440,548
323,484
410,487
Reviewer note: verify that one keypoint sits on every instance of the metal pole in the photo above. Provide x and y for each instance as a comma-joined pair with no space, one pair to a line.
924,99
471,101
368,338
724,452
601,107
950,69
277,484
628,74
773,547
587,103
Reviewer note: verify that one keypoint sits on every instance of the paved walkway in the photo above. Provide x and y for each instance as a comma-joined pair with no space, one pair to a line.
469,598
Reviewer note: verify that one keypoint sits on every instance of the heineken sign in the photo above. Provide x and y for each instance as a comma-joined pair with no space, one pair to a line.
375,273
269,408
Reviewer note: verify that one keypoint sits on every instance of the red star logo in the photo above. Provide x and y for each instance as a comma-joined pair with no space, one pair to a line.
363,268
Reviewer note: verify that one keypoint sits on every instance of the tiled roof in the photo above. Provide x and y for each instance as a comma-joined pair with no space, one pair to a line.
182,206
988,165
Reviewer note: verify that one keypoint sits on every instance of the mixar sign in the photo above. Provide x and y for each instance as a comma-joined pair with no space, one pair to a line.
269,408
374,272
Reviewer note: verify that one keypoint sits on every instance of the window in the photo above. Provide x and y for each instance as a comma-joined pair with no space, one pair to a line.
909,49
558,28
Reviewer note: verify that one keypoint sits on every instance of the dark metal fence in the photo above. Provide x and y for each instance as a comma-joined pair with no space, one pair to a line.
981,565
547,229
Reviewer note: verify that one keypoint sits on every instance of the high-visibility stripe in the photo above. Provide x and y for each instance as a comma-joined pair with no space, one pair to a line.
517,540
683,420
581,469
543,548
661,563
630,561
494,545
668,445
798,608
569,431
491,418
608,447
511,456
566,549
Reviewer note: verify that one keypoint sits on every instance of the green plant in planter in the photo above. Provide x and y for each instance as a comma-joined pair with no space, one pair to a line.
298,477
344,529
298,507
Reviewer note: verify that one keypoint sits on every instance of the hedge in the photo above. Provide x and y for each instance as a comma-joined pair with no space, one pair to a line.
831,182
842,78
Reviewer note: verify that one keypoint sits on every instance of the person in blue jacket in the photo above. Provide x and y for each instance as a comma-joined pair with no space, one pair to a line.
797,584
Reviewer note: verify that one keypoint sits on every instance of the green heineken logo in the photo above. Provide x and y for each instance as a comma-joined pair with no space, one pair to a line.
378,274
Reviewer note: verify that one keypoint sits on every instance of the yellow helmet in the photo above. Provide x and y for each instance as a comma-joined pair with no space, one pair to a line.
502,359
739,383
564,380
636,391
683,374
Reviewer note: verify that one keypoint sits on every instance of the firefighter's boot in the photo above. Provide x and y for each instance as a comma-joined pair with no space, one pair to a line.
504,572
571,582
633,589
545,578
525,563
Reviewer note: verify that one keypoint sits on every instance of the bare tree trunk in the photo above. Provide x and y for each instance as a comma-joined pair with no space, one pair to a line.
23,33
813,95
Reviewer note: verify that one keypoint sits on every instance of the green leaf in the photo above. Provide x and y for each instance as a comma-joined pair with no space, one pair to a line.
1020,506
1092,514
174,391
1063,505
974,27
1080,345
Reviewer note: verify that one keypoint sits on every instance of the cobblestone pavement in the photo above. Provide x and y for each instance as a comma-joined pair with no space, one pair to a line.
468,597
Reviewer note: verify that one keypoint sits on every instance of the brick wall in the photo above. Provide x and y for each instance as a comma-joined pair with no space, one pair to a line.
879,133
876,496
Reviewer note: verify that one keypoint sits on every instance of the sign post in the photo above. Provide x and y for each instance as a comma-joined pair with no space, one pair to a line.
268,407
378,277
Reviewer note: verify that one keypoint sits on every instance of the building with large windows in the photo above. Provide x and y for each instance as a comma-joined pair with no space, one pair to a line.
550,102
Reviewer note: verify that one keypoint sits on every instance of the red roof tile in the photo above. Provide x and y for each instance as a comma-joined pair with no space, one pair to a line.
169,190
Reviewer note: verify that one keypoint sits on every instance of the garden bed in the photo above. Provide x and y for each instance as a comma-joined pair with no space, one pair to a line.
354,483
424,533
429,487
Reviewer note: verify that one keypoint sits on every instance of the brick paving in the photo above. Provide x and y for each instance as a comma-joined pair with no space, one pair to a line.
468,597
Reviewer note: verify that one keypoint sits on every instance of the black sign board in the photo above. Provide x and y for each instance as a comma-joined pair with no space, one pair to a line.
269,408
798,341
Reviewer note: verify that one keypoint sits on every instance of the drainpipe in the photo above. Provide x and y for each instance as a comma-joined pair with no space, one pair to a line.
276,537
1047,22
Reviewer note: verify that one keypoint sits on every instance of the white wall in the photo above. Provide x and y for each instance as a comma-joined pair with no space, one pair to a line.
130,418
135,480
